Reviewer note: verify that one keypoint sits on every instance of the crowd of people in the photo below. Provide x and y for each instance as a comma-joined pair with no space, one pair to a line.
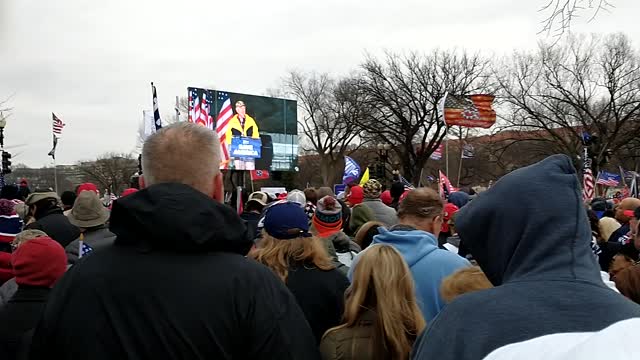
523,270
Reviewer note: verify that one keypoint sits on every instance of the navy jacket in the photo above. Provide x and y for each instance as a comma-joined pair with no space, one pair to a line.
531,236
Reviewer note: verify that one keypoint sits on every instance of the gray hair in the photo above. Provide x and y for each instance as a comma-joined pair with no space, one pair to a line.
27,235
183,153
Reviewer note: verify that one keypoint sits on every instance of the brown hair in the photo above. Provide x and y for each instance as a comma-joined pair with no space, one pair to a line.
421,203
464,281
382,282
311,194
628,282
279,254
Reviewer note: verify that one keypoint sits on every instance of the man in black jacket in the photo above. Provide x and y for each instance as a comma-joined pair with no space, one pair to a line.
176,283
44,206
531,237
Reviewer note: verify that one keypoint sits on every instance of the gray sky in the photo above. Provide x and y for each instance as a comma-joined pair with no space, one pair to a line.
91,62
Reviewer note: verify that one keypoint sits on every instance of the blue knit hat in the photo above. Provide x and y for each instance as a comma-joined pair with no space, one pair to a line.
286,220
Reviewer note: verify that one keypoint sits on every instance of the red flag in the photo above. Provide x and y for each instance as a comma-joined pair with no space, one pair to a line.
445,186
437,154
469,111
259,175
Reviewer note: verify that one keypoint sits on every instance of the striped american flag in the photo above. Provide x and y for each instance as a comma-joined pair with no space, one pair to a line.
608,179
57,125
222,124
588,183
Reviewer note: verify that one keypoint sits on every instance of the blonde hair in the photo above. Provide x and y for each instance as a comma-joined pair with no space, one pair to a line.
422,203
382,282
464,281
278,254
27,235
168,156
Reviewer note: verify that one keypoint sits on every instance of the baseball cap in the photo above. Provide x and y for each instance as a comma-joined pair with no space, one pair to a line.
260,197
297,197
286,220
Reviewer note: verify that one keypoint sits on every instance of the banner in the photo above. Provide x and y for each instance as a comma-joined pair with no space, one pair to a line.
445,186
351,171
245,147
365,177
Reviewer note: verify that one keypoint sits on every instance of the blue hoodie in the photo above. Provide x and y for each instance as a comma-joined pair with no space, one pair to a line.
428,263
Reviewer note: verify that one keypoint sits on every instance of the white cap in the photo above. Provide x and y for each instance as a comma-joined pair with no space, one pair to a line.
297,196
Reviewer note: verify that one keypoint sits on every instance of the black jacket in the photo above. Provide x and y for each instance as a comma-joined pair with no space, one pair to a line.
175,285
18,318
531,236
57,226
252,220
320,294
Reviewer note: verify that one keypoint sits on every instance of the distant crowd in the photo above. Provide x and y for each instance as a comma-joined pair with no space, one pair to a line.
523,270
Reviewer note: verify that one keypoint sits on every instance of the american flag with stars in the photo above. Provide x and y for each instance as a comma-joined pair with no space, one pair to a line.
58,125
200,108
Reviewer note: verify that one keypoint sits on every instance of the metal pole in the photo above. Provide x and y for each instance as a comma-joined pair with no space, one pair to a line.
446,153
55,174
177,110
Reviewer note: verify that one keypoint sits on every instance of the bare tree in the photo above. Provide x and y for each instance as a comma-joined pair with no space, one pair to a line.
403,92
331,110
559,14
583,84
110,171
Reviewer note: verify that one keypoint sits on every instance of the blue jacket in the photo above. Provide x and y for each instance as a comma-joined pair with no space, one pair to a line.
428,263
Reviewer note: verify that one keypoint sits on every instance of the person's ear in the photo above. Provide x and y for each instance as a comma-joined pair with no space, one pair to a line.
218,188
141,182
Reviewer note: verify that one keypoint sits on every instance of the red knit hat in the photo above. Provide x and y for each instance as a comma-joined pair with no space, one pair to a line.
449,210
356,195
386,197
87,187
39,262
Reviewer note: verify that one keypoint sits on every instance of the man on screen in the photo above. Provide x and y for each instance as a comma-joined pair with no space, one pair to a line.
242,125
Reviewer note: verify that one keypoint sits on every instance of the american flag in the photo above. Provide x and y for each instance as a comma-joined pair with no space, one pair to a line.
588,186
445,186
469,111
608,179
57,125
437,154
406,183
222,124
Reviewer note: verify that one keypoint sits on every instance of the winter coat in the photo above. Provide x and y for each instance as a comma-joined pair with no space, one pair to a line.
19,318
381,212
320,294
360,215
97,238
546,278
350,343
57,226
252,220
429,264
175,285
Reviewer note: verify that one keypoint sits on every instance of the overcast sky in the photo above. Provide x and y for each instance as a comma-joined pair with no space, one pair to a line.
91,62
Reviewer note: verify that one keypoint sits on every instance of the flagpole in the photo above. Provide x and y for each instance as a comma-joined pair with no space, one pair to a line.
420,180
177,109
55,174
446,151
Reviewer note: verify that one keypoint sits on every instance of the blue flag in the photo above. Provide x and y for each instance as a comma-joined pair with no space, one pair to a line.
351,171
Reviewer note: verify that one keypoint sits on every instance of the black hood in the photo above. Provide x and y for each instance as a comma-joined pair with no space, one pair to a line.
177,217
531,225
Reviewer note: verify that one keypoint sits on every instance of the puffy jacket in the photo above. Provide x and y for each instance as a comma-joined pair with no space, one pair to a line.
175,285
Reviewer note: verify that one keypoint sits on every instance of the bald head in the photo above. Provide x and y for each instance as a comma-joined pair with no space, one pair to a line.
183,153
626,204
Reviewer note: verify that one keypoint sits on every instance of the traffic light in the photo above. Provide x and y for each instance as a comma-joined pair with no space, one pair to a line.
6,163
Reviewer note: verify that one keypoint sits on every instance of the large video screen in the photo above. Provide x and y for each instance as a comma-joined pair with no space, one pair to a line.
256,132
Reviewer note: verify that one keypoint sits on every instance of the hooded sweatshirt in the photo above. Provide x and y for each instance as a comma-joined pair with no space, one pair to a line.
174,285
428,264
531,237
